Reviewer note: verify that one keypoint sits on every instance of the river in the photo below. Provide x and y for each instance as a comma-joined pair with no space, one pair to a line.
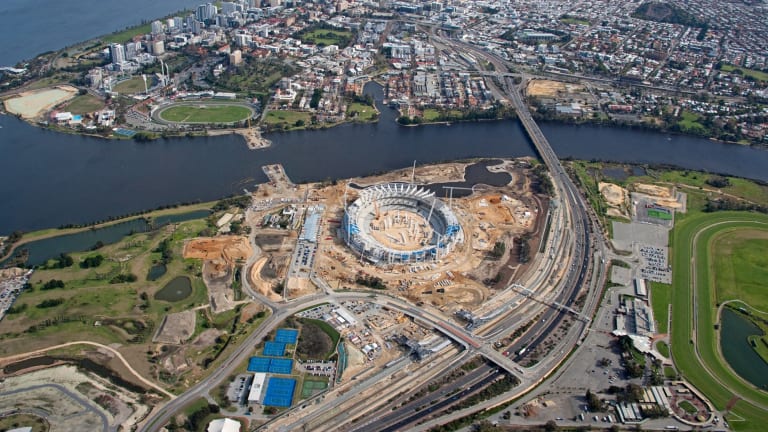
31,27
49,179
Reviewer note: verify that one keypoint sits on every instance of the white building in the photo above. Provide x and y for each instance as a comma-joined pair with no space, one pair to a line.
224,425
157,27
117,52
257,388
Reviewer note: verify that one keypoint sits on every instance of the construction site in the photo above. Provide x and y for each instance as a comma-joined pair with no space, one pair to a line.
394,232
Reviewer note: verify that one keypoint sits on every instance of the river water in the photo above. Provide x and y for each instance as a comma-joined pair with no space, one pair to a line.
31,27
49,179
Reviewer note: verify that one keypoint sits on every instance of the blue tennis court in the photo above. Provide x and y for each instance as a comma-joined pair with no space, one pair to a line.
274,349
287,336
280,392
281,366
258,364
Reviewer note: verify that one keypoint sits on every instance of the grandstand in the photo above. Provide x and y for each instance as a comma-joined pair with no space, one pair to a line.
396,223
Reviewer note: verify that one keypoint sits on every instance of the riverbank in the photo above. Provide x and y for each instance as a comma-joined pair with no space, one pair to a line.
56,232
644,126
252,136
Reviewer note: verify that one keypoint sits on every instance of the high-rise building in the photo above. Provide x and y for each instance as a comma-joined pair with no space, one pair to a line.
228,8
117,52
206,12
157,27
158,47
178,23
236,58
132,49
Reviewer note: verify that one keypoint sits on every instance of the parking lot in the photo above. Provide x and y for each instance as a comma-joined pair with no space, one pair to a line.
655,264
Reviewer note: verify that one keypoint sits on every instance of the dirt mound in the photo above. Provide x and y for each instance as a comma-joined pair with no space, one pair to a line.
229,248
654,190
614,194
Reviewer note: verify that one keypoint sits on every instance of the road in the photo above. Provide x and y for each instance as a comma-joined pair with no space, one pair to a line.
577,248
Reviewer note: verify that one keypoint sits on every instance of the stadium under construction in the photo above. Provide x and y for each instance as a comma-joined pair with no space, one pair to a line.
400,223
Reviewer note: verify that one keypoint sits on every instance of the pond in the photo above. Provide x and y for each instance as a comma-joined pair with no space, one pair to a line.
156,272
735,329
177,289
40,251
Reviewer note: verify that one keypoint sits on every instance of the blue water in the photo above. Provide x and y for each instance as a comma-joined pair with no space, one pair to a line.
41,251
31,27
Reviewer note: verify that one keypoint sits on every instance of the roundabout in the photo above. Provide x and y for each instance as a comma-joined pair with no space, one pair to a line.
203,112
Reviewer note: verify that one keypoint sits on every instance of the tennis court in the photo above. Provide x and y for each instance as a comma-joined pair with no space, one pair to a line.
280,392
281,366
259,364
310,388
287,336
274,349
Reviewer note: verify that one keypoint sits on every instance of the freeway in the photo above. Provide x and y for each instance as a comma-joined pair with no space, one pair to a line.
576,249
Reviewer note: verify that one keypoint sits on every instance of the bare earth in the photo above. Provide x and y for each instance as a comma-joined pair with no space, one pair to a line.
176,328
547,88
33,104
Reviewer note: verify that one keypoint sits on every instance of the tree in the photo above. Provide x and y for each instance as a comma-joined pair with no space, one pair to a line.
550,426
593,401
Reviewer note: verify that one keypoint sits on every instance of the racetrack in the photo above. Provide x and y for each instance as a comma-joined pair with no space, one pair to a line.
695,344
207,112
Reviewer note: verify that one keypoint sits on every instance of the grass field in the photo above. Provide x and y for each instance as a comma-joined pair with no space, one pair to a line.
663,348
687,407
124,35
740,187
689,122
205,113
711,376
756,74
571,20
88,294
85,104
327,37
364,112
659,214
132,86
312,385
760,345
661,298
288,119
740,261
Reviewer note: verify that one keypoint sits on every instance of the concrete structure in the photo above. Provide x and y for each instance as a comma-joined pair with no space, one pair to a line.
400,199
117,52
236,58
224,425
257,388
